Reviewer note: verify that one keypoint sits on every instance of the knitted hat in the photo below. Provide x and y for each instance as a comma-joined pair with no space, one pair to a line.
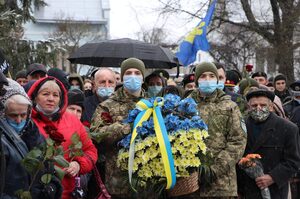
21,74
247,83
205,67
76,97
132,63
279,77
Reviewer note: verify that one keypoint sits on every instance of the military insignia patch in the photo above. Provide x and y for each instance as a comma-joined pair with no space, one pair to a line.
243,125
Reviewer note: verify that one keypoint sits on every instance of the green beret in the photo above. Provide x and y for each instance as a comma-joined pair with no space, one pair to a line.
132,63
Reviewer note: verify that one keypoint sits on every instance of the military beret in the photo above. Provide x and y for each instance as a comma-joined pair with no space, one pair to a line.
188,79
260,93
233,77
259,74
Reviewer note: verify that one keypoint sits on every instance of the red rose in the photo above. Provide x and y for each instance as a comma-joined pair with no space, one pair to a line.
249,67
105,116
56,136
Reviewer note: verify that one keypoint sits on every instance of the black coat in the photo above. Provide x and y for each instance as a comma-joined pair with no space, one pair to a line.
278,144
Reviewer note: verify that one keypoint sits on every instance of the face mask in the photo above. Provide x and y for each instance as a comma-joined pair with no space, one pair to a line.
88,93
154,90
74,87
260,115
40,109
207,87
105,91
221,85
132,83
17,127
236,89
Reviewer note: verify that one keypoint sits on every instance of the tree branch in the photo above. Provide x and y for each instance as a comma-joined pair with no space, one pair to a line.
254,25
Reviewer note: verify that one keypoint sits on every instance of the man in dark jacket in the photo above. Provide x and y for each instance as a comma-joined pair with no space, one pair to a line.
105,84
276,140
280,87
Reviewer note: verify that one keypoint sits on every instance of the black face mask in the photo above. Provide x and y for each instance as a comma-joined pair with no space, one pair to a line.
88,93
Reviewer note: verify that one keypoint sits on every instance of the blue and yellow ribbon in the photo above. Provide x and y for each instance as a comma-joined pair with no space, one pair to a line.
147,109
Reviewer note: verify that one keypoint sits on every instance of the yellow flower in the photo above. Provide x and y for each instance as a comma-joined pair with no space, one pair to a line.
183,138
202,147
194,149
204,133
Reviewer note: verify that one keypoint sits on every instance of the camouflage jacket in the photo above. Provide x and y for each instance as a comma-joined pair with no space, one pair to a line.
107,128
226,141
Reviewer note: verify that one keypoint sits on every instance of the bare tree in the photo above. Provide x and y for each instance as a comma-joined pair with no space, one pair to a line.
275,22
70,34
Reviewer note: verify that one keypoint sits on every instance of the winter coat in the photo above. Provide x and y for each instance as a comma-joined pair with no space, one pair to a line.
108,124
16,177
226,141
292,111
278,145
67,124
90,104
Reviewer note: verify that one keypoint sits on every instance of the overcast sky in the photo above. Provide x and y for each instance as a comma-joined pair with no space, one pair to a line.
127,17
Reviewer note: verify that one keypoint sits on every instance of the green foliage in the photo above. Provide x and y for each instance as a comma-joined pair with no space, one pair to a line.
46,178
23,194
59,172
76,147
61,161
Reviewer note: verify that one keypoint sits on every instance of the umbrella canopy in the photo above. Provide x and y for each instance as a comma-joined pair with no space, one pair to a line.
112,52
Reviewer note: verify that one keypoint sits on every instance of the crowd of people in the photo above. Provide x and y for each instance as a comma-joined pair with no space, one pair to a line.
245,115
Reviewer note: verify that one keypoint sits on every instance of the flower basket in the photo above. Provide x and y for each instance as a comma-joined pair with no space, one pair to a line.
185,185
182,139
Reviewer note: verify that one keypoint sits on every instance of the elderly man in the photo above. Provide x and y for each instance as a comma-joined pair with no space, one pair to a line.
107,126
104,86
227,135
276,140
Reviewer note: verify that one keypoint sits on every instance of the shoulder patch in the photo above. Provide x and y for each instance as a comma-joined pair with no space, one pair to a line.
243,125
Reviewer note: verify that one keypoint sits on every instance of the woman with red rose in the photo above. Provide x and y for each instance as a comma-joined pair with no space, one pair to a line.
50,101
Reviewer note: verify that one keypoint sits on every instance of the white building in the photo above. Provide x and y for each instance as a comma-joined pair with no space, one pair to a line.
95,13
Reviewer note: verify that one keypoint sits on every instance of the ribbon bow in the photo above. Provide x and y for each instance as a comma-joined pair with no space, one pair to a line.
147,108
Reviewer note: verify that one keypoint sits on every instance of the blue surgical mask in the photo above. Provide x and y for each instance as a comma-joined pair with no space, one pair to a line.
207,86
132,83
236,89
17,127
154,90
105,91
221,85
74,87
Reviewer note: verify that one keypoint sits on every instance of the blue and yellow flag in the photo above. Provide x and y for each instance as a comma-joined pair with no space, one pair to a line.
196,39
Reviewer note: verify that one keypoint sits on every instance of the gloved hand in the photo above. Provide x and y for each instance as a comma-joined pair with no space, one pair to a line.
206,176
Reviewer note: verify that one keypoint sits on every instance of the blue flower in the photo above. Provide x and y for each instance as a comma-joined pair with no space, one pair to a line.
198,123
171,122
185,124
142,131
125,142
131,116
171,101
187,106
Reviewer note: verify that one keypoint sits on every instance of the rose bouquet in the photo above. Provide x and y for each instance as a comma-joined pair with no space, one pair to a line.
253,168
185,132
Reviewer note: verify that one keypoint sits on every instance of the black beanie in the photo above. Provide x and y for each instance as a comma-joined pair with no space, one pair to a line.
76,97
279,77
60,75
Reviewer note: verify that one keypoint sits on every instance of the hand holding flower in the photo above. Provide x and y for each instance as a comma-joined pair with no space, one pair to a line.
73,168
264,181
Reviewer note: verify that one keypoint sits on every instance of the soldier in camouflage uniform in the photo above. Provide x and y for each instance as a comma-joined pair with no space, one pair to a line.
107,126
227,135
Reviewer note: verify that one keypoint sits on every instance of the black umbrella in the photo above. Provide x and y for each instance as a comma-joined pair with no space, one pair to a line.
112,52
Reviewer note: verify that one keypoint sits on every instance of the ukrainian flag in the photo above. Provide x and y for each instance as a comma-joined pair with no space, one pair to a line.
196,39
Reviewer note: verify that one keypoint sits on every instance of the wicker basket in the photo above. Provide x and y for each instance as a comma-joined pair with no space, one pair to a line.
185,186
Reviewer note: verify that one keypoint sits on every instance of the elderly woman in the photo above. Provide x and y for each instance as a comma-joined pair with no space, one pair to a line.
20,135
50,101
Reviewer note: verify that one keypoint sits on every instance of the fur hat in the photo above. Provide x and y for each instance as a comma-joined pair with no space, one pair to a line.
132,63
